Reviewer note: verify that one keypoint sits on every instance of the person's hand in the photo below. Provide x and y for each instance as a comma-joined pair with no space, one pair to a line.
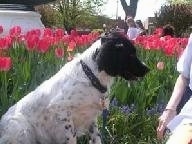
164,119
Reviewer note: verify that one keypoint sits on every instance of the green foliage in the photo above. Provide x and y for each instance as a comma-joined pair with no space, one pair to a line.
29,70
155,87
71,12
93,22
138,126
68,15
180,1
93,6
130,128
178,15
48,15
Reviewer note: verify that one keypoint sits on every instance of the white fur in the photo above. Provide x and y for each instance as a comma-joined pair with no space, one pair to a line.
40,115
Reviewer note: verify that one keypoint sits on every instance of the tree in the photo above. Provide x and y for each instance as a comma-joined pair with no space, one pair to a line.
177,15
48,15
69,17
71,11
131,9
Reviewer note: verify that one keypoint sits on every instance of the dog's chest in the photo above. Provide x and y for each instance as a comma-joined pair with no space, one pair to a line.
85,107
82,101
84,115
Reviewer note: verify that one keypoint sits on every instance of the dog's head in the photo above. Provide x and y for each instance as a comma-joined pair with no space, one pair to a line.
117,57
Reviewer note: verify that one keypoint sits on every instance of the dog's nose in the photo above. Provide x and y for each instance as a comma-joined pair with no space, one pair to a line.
144,70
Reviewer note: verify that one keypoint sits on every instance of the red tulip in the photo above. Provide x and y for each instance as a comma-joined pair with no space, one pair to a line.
169,45
59,33
34,32
15,31
5,63
74,33
43,45
32,41
5,42
71,46
59,52
48,32
66,38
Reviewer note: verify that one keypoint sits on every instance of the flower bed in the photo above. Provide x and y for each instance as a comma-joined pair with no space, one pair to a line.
27,60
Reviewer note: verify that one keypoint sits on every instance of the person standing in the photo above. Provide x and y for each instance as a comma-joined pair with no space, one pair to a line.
141,28
133,31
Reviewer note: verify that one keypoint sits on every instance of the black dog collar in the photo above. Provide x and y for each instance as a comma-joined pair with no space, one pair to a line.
94,80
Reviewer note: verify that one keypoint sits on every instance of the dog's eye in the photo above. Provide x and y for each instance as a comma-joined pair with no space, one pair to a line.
132,55
95,54
119,45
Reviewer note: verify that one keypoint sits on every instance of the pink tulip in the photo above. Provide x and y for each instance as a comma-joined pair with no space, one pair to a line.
160,65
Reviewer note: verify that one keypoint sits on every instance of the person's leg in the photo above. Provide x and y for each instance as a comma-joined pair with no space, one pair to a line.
182,135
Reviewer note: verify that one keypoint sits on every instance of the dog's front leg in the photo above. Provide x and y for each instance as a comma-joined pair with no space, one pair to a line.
94,134
62,127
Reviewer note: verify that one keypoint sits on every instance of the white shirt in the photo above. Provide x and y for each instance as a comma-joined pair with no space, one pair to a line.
184,66
132,33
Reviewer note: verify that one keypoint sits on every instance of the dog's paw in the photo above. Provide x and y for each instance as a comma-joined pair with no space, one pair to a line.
95,140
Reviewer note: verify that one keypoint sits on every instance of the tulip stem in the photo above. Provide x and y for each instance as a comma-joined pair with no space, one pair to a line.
4,96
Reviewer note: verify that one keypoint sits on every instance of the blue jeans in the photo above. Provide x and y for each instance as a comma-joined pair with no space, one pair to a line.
186,96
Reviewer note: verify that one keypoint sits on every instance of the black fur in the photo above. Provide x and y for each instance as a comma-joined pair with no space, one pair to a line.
117,57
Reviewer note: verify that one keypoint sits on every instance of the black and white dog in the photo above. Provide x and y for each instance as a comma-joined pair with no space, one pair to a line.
67,105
